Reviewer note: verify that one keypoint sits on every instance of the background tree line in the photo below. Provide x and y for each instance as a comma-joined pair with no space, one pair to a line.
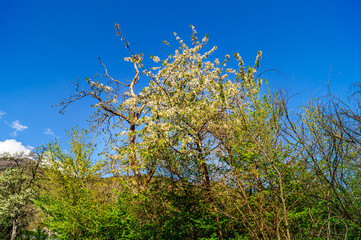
202,151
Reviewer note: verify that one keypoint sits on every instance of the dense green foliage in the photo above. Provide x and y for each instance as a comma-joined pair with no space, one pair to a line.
203,151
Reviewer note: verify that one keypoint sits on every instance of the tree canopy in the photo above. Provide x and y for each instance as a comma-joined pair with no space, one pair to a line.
196,148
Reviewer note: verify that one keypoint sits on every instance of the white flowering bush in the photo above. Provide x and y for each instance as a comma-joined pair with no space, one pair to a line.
14,195
189,97
17,184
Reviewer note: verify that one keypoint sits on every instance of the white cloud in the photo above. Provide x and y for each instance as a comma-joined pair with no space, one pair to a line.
2,113
17,127
11,146
48,131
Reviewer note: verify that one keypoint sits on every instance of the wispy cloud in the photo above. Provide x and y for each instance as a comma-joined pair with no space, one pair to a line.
11,146
2,113
18,127
48,131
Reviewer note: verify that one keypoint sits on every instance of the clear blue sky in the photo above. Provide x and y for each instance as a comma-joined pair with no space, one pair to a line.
45,45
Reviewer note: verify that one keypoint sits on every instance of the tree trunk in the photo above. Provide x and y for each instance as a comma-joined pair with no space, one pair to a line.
207,184
15,228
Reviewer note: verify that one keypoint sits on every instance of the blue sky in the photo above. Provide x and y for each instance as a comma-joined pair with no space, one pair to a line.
45,45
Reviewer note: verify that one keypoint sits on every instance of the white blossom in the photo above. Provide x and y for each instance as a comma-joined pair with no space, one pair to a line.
156,59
